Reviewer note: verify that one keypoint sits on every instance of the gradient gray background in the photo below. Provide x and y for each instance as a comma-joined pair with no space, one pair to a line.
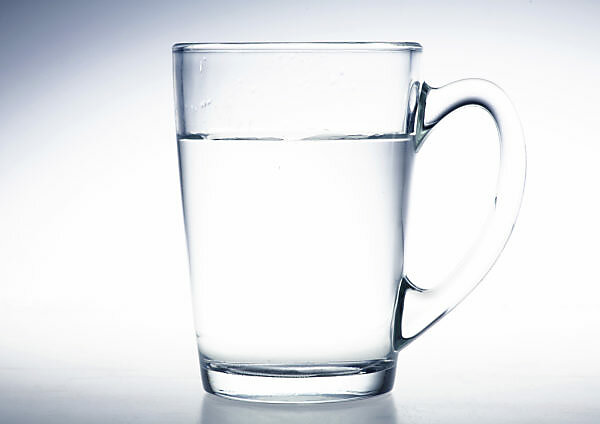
95,319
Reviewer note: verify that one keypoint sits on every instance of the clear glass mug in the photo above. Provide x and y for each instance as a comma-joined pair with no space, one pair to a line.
295,166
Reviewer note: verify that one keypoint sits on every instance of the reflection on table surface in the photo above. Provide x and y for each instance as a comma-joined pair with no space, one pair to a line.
377,410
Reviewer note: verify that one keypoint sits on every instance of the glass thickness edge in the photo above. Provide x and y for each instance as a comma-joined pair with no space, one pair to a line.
297,46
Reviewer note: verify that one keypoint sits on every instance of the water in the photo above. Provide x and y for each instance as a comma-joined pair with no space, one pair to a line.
295,246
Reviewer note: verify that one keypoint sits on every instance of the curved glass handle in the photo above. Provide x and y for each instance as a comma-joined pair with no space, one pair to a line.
418,309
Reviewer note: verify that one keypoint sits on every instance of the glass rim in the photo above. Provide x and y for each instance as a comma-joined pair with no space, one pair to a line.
292,46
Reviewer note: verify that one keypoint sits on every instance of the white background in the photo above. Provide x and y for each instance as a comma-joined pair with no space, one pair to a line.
93,272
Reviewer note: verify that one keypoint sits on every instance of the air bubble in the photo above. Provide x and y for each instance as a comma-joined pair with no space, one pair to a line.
202,64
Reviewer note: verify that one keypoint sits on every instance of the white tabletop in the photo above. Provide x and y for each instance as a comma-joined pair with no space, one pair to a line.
99,396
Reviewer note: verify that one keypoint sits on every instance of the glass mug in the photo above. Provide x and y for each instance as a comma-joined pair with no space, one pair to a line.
295,163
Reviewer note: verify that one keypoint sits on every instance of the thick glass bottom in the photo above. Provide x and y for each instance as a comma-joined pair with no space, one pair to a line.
305,383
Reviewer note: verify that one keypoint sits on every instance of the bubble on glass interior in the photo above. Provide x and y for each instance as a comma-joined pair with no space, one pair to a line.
202,64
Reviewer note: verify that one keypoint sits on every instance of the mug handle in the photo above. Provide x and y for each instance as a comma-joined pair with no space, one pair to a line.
418,309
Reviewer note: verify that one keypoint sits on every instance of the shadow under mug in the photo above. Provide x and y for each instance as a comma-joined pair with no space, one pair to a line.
295,163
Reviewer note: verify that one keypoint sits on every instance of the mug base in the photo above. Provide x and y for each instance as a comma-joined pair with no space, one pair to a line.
307,383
